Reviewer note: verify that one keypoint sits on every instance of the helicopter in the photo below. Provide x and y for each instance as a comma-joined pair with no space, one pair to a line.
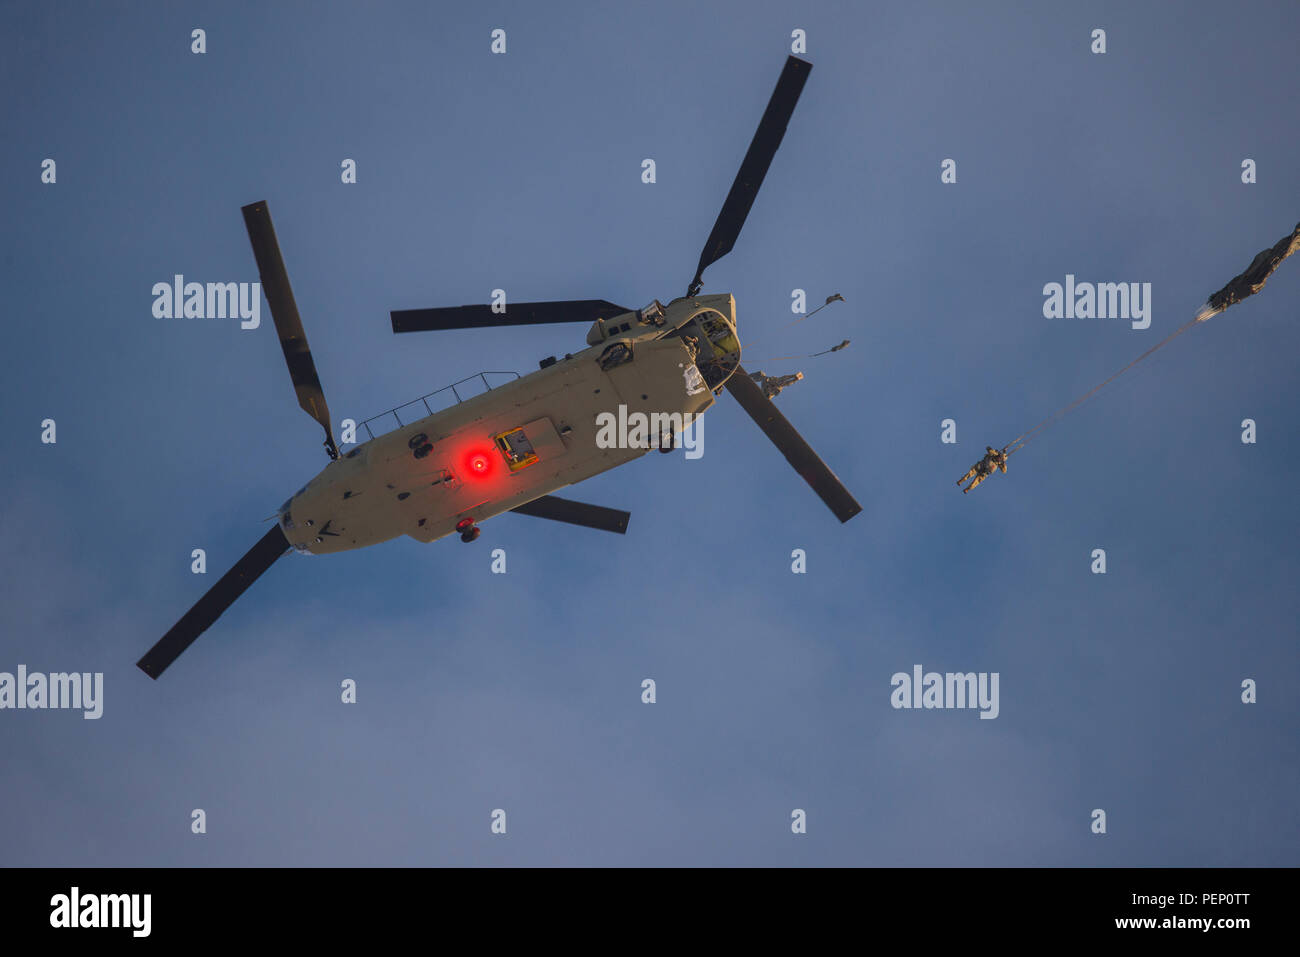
507,449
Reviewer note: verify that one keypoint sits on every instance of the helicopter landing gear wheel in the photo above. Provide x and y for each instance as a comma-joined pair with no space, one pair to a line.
420,445
468,530
667,443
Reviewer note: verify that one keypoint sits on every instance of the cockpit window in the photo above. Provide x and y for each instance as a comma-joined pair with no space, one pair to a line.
726,348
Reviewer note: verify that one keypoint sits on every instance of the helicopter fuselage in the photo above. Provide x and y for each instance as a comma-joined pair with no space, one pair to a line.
510,445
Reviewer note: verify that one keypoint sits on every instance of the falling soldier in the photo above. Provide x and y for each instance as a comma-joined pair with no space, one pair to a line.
993,459
773,384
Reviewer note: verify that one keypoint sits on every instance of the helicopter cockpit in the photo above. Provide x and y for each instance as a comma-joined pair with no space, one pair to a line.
716,344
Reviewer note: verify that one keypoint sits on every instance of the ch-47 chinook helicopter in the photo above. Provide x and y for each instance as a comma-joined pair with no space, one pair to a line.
509,448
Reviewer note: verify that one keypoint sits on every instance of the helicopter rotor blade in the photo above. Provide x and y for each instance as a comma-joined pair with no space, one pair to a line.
516,314
767,138
288,324
576,513
797,452
212,605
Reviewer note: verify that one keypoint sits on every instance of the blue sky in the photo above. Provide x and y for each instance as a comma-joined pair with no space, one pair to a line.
522,691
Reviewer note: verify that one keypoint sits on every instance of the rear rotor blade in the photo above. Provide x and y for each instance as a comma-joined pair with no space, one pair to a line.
576,513
792,445
211,606
288,324
768,136
516,314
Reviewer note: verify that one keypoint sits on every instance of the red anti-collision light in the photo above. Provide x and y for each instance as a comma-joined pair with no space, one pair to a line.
478,462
